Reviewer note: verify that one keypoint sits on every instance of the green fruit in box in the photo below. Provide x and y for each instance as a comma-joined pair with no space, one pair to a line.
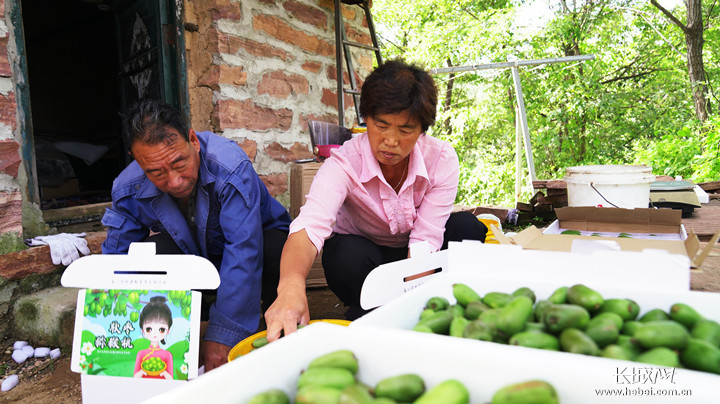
561,316
684,314
535,339
490,317
317,394
423,328
533,326
707,330
654,315
514,315
611,317
629,345
701,355
342,358
272,396
559,295
457,310
337,378
603,330
402,388
478,329
615,352
630,327
571,232
497,299
384,400
439,321
627,309
575,341
529,392
525,291
661,356
584,296
464,294
540,308
474,309
457,326
448,392
437,303
426,313
355,394
666,333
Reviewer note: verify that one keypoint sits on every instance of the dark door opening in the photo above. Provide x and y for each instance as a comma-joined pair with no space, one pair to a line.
87,60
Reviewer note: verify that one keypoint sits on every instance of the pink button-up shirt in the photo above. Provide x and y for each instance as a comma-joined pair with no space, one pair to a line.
349,195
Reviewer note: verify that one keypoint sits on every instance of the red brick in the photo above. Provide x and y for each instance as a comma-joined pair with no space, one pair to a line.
280,85
357,36
279,29
9,157
330,99
277,184
329,118
231,45
2,9
4,64
226,9
277,152
332,74
10,211
7,109
235,114
301,150
223,74
307,14
250,148
312,67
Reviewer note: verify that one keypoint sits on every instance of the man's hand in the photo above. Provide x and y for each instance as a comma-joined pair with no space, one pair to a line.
286,312
213,354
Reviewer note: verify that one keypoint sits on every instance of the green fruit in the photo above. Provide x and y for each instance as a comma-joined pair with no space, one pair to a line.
615,352
437,303
457,326
86,310
661,356
631,327
426,313
629,345
525,291
497,299
701,355
611,317
627,309
559,295
464,294
439,322
514,315
259,342
384,400
666,333
337,378
457,310
478,329
355,394
474,309
186,311
402,388
603,330
134,316
532,326
535,339
272,396
448,392
707,330
317,394
584,296
684,314
561,316
342,358
654,315
575,341
529,392
423,328
540,308
571,232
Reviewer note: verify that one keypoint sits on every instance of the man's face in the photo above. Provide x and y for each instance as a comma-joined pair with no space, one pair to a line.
392,136
172,165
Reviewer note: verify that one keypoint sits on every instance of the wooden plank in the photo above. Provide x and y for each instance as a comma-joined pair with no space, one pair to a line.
316,277
710,186
549,184
51,215
704,221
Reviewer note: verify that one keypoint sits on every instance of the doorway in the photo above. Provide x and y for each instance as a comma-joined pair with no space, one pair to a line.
87,61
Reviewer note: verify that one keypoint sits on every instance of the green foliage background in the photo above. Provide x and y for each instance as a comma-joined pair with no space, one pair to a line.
631,104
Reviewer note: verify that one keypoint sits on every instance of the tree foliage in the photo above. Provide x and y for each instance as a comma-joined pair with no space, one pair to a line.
632,103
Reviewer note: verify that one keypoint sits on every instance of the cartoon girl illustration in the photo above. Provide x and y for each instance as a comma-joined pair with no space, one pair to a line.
155,322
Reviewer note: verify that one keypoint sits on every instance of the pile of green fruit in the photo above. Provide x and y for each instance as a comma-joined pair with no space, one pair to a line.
331,379
578,319
153,365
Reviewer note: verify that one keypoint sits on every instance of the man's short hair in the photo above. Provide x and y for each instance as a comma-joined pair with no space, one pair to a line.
148,121
396,86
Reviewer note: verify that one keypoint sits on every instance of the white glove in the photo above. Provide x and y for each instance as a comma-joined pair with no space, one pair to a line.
64,247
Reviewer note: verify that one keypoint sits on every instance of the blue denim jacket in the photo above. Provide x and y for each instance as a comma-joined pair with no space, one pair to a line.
233,207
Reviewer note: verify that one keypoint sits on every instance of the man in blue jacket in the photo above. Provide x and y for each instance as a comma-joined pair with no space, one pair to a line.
197,193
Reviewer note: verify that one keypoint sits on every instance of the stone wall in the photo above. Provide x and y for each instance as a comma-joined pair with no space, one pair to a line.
258,70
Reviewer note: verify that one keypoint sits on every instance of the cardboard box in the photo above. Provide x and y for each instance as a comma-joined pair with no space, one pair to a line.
482,367
654,269
648,229
301,176
108,343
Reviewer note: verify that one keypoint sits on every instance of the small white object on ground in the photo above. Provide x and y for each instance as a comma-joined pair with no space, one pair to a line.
19,356
42,352
10,382
55,353
19,344
29,350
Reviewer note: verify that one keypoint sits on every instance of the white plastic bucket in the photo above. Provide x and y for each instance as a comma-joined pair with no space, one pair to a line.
620,186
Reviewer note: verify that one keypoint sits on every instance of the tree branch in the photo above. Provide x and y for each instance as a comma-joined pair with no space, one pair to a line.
669,15
657,31
631,76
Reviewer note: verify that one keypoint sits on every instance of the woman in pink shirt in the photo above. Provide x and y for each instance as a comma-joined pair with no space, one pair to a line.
381,191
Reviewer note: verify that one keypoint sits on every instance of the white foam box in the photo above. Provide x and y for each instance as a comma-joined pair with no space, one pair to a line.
482,367
575,376
654,269
139,270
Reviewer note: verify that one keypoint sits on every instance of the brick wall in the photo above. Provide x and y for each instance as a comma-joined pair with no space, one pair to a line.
259,69
10,195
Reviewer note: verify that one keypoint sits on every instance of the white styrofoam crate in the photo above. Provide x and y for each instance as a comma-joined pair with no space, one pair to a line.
482,367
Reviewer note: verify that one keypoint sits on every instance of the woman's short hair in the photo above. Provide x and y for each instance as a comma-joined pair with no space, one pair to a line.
396,86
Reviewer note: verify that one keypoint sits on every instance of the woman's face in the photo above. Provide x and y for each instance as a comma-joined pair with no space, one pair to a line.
155,330
392,136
